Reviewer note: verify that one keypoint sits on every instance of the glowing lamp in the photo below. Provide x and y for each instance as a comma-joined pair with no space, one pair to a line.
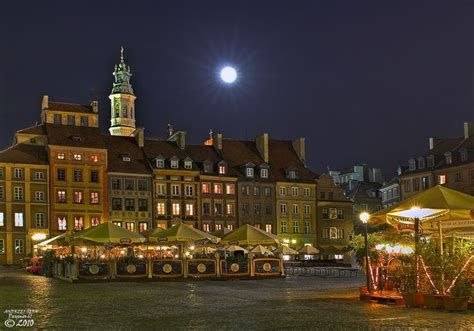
84,249
192,247
228,75
379,247
38,237
293,241
364,217
406,250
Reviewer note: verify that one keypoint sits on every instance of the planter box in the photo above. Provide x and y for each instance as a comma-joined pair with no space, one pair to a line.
414,299
434,301
455,303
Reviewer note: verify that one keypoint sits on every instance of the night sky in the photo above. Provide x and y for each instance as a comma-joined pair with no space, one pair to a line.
363,81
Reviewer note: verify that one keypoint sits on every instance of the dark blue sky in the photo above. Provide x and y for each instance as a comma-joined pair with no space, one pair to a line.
363,81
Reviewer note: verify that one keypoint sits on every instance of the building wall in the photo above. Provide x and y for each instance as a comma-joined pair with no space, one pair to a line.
69,209
141,217
181,178
412,183
92,119
284,196
256,205
460,178
390,195
28,206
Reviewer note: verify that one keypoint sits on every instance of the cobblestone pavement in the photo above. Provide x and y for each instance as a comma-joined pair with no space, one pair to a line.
294,303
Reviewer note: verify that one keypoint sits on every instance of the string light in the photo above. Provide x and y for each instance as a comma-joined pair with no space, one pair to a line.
428,274
459,274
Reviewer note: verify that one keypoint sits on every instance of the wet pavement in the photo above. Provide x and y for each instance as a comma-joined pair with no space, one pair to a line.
294,303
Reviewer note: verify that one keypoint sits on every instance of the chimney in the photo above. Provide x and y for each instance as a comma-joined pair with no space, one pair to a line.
140,136
45,102
298,146
170,130
179,138
95,106
433,142
261,143
468,129
217,141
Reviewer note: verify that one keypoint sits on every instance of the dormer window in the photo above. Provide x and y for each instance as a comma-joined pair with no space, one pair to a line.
421,163
222,168
249,172
207,166
174,162
264,173
463,153
430,161
412,164
76,139
291,174
126,158
449,157
77,157
188,164
160,162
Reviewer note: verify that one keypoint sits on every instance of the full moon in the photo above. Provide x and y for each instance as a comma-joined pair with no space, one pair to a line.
228,75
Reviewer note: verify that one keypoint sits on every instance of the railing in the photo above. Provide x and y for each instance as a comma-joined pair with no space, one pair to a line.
94,269
201,268
235,268
167,268
266,266
135,269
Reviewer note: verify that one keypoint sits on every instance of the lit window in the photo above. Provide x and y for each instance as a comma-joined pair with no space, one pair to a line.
2,219
230,227
94,198
218,188
189,209
78,223
61,196
77,157
94,158
268,228
442,179
206,188
126,158
264,173
230,189
118,223
19,220
142,226
230,209
222,169
176,209
188,165
249,171
206,227
160,208
130,226
78,197
95,220
62,223
218,227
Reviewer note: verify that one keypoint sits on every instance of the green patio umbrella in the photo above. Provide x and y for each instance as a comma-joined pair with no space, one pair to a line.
182,233
249,235
109,233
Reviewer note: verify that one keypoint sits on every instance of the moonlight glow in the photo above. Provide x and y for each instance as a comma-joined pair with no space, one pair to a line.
228,75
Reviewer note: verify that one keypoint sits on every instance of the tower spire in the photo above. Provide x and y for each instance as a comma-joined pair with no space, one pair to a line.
121,55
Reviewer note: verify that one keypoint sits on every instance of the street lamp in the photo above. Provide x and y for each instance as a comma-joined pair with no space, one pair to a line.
364,217
37,237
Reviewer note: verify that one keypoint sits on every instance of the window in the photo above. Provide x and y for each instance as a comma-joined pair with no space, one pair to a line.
78,197
268,228
230,188
406,185
256,191
160,208
267,192
142,185
142,226
296,209
307,228
207,167
77,157
449,157
130,204
61,174
442,179
245,190
61,196
411,164
78,223
189,190
94,176
306,192
61,156
322,195
57,119
222,169
230,227
230,209
249,171
1,193
95,220
458,177
283,226
333,213
416,184
19,246
39,175
258,225
421,163
340,213
71,120
307,209
218,208
425,183
19,220
206,227
188,164
77,175
463,153
176,209
218,188
218,227
296,227
325,212
39,220
2,219
142,205
283,208
174,164
130,226
2,246
84,121
39,196
160,189
126,158
268,209
160,163
18,173
94,158
206,188
175,190
256,209
292,174
245,208
118,223
264,173
17,193
294,191
62,223
430,161
340,233
282,190
129,184
206,208
94,198
189,209
1,172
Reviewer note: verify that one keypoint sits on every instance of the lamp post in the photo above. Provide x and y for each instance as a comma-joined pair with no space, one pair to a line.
364,217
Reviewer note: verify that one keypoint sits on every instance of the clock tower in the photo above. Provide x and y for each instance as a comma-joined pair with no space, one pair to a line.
122,101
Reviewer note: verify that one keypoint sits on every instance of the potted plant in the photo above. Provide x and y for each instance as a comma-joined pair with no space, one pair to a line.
460,295
409,285
433,262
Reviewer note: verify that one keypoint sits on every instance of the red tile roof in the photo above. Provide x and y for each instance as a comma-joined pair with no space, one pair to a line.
25,153
74,136
69,107
117,148
36,129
